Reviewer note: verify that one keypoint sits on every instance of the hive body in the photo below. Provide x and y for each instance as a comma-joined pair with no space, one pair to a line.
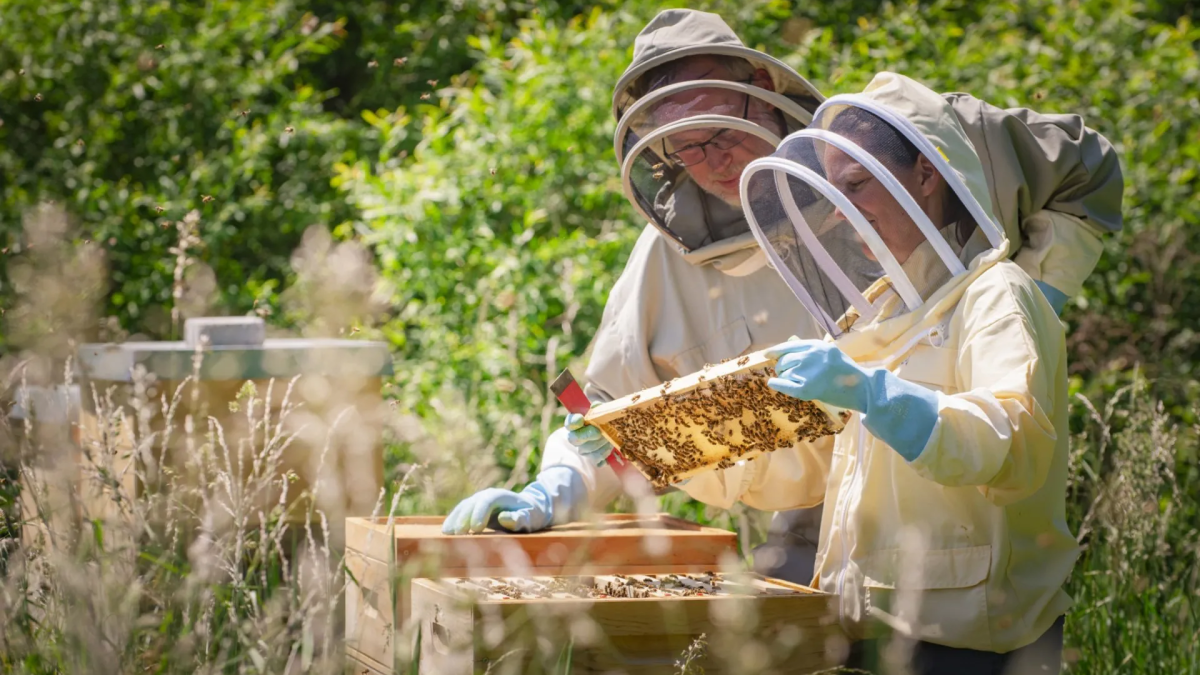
383,557
632,624
709,420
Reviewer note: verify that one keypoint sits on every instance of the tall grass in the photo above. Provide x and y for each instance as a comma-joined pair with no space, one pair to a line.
181,569
147,536
1134,507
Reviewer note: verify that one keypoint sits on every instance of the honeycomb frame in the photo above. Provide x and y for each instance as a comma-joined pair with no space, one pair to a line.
711,419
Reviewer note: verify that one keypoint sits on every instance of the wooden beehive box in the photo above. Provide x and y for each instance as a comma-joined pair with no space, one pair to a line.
334,388
383,560
591,625
710,419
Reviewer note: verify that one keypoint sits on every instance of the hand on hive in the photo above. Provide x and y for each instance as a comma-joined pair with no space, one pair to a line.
557,496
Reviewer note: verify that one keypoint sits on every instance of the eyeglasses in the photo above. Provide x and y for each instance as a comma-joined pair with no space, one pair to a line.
725,139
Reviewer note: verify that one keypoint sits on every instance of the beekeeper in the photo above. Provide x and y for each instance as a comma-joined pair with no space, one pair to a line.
695,289
945,517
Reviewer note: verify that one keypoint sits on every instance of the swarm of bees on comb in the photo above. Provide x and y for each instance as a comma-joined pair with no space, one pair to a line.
710,420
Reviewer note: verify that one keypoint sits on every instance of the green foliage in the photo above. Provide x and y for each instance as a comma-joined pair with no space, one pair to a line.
119,109
505,227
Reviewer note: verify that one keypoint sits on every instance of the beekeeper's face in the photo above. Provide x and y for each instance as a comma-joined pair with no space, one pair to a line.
715,158
879,206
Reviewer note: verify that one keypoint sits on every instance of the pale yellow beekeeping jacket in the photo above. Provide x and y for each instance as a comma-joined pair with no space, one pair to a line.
967,545
1056,187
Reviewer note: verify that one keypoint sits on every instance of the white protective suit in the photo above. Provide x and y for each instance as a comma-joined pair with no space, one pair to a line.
967,545
1055,184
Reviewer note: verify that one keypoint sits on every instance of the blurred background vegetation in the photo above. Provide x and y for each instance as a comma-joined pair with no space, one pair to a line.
467,146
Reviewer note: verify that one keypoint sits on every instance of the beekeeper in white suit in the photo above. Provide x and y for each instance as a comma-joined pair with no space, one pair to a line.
695,289
945,517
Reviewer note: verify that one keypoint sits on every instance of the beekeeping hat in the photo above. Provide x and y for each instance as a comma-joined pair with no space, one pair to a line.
874,207
686,129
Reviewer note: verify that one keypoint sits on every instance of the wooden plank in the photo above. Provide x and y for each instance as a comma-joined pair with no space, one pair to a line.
615,538
361,664
447,624
370,614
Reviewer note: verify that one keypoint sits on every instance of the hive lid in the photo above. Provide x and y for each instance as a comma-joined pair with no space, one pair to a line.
277,357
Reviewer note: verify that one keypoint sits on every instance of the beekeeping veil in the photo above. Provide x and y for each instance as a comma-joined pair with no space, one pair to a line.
847,212
686,130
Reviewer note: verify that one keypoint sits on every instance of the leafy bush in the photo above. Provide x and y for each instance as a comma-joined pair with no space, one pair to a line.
505,227
134,113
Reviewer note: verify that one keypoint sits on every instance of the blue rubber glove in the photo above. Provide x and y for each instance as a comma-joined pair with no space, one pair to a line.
897,412
557,496
588,440
1058,299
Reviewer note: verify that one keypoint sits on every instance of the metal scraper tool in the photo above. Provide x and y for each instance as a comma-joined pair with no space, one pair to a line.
571,395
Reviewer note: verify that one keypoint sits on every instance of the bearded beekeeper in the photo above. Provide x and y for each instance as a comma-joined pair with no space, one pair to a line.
945,517
694,108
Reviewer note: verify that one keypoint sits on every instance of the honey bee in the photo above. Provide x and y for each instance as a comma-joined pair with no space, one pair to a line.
21,71
79,142
425,96
354,330
245,113
204,199
658,175
160,209
399,60
432,83
290,130
372,63
493,170
158,46
37,97
656,167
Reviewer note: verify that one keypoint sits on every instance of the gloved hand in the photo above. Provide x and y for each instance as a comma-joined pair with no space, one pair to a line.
1058,299
557,496
588,440
896,411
